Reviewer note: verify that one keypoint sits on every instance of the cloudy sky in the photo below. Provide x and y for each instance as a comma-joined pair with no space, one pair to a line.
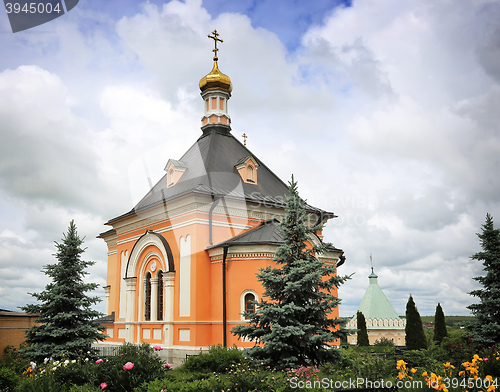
387,112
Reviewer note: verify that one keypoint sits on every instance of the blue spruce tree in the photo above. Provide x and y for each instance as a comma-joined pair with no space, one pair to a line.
291,325
486,328
65,325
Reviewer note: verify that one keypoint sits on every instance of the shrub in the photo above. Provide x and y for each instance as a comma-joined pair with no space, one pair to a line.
14,358
354,364
147,366
218,359
8,379
459,347
242,378
421,358
384,342
143,366
85,388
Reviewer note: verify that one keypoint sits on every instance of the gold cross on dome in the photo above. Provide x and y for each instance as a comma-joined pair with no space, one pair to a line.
244,139
215,37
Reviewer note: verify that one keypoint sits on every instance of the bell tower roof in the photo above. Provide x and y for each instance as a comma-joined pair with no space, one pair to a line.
215,90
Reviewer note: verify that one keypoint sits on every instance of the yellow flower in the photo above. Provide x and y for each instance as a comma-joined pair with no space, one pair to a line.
413,370
424,374
401,364
401,375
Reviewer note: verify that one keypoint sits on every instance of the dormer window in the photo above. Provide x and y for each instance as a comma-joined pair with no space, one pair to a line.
250,173
171,177
175,170
247,168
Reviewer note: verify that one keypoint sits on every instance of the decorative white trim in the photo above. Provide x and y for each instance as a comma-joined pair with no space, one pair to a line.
185,276
140,246
379,324
187,322
187,223
123,290
245,162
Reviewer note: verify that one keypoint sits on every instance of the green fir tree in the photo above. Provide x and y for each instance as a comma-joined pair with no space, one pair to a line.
440,331
414,330
291,325
362,332
486,328
66,326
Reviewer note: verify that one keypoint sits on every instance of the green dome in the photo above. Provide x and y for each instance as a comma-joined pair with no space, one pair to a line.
375,304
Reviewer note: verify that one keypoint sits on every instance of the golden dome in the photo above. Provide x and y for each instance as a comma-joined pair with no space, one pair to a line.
216,79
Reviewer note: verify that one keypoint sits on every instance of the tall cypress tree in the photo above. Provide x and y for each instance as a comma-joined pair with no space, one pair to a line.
291,327
362,331
486,329
65,322
415,336
440,331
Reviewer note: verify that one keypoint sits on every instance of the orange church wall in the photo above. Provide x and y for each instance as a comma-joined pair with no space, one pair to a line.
113,280
201,290
203,326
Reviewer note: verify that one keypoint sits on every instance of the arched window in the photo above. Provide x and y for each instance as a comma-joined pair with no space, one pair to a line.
147,297
250,174
249,302
160,296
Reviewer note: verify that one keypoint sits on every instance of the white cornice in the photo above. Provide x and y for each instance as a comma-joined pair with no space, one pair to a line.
197,221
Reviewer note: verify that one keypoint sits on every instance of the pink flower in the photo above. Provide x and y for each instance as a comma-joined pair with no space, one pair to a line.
157,348
103,385
168,366
128,365
99,361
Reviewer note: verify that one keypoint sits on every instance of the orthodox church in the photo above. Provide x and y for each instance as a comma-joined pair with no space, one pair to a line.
382,321
182,263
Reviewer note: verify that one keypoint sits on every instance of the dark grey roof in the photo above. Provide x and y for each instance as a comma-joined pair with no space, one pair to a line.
242,160
267,232
210,170
109,319
177,163
110,231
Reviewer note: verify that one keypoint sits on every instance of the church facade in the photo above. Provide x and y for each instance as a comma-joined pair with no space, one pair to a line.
182,263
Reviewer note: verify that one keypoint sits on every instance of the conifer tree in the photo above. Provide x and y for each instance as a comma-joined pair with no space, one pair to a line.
291,325
440,331
414,330
362,331
486,328
66,325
